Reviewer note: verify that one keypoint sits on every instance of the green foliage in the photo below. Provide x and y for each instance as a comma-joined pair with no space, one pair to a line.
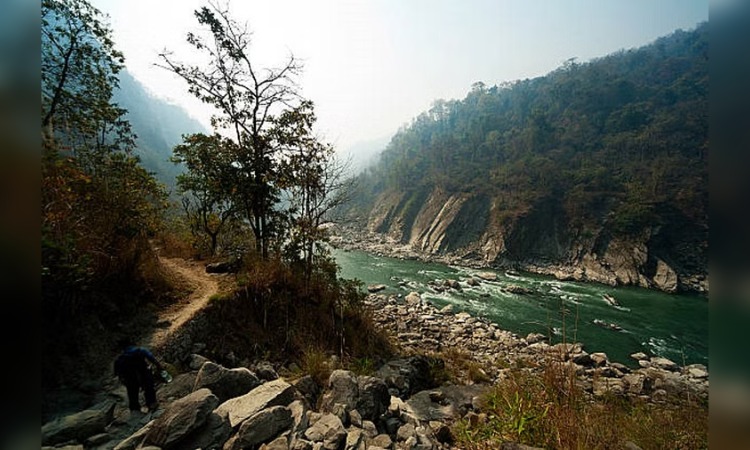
249,101
315,362
79,74
98,204
273,174
206,185
362,366
99,207
614,139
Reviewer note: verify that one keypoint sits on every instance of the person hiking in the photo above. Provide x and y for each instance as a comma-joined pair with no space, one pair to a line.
132,368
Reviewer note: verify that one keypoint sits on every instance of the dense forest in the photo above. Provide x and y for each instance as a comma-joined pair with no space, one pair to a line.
616,147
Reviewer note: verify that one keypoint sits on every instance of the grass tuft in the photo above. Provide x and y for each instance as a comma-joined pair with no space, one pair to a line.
550,409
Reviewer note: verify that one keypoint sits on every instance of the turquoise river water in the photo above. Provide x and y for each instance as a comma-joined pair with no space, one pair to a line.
674,326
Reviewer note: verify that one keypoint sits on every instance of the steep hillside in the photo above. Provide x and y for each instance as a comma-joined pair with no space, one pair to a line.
159,126
597,171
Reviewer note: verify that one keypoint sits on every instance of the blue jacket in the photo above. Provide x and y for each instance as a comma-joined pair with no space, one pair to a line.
133,362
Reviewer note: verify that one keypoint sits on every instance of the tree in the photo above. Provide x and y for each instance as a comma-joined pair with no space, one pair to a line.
98,203
247,99
313,181
79,74
206,184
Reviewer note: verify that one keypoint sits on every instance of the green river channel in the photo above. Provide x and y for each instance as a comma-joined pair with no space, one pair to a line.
674,326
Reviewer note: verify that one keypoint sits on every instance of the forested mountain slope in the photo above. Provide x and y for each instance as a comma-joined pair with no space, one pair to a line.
597,170
158,125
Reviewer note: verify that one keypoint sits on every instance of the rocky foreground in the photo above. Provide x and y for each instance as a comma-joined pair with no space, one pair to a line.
398,407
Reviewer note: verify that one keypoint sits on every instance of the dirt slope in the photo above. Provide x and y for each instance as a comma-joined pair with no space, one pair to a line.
202,286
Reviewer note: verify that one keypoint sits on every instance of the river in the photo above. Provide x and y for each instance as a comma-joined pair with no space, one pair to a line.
674,326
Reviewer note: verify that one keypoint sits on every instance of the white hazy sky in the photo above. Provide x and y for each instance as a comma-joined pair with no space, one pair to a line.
372,65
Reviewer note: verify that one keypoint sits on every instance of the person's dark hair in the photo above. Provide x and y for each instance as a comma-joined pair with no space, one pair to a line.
125,342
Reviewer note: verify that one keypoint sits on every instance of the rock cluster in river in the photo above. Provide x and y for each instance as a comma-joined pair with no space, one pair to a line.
421,327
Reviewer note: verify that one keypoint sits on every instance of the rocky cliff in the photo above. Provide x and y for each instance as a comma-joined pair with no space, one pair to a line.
596,171
475,229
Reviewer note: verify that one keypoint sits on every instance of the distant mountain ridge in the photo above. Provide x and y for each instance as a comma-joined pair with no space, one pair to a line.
159,126
596,171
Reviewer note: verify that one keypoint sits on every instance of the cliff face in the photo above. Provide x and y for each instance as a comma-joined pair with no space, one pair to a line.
475,228
596,171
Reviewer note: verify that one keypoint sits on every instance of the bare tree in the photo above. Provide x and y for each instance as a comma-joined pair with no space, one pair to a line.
247,99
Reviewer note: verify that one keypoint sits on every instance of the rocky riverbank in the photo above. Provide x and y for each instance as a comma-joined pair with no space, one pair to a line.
420,328
614,268
401,405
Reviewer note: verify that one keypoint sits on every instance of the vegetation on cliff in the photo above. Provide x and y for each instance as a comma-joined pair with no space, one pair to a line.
616,147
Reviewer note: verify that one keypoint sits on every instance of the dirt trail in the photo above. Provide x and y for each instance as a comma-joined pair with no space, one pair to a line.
202,285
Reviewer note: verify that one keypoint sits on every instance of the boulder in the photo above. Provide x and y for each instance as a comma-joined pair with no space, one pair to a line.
225,383
342,389
308,388
261,427
376,288
441,404
487,276
409,375
212,434
274,393
222,267
183,417
355,440
382,441
328,430
134,441
78,426
663,363
373,397
300,419
413,298
265,371
665,278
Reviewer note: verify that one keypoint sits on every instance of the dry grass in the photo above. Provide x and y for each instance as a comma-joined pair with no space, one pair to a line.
549,409
274,314
460,367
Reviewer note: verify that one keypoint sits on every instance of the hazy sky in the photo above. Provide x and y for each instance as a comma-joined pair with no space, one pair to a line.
372,65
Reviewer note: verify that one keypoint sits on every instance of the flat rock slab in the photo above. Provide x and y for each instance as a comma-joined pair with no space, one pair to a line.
274,393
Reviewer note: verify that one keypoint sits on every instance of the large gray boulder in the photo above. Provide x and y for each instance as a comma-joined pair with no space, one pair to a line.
79,426
409,375
262,427
134,441
342,389
225,383
308,388
181,419
373,397
444,403
328,430
274,393
212,434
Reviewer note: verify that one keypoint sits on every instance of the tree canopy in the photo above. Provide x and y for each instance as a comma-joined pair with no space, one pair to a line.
622,137
265,165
